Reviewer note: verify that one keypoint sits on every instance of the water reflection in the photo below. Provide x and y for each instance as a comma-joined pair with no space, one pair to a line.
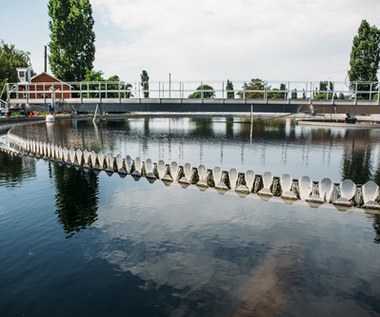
278,146
357,162
225,256
76,198
267,292
376,227
14,169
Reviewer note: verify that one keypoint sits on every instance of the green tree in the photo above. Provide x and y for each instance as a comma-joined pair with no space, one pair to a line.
145,83
294,93
117,85
278,93
10,59
230,89
93,75
254,89
203,91
365,57
283,91
95,79
72,49
325,91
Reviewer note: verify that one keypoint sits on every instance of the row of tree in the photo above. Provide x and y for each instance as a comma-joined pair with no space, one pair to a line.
259,89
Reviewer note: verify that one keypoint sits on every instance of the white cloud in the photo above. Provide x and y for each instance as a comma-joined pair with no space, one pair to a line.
219,39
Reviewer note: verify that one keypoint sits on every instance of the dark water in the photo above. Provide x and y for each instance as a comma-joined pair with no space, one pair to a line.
73,243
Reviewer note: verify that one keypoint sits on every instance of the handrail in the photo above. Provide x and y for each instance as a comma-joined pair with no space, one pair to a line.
1,94
184,89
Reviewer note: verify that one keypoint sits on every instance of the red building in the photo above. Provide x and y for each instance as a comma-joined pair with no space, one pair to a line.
42,86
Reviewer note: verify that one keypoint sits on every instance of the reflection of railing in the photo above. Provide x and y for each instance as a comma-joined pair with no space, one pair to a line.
267,91
343,195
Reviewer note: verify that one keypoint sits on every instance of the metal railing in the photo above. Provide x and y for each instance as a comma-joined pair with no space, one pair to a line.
275,90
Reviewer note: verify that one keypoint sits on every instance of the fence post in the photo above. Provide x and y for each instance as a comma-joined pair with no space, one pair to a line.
170,85
80,92
202,93
356,92
327,90
378,93
100,92
118,86
44,88
311,91
8,95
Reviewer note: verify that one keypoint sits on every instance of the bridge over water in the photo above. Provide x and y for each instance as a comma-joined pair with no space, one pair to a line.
121,97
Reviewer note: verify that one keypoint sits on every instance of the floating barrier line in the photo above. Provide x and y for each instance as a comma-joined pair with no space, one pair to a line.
342,195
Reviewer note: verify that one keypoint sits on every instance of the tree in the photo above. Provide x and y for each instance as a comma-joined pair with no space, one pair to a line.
283,92
325,90
294,94
278,93
10,59
203,91
96,79
93,75
230,89
72,49
254,89
365,57
117,85
145,83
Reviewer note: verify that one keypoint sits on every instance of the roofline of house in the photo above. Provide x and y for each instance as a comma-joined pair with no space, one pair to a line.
44,73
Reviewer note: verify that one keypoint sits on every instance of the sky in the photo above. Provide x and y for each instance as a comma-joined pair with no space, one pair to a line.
275,40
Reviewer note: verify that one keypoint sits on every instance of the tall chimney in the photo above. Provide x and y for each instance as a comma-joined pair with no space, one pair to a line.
45,59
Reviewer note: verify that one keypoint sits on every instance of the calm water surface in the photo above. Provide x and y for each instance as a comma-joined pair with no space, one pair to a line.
278,146
74,243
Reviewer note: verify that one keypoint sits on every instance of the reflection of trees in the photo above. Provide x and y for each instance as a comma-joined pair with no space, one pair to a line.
357,160
76,198
376,227
230,127
202,127
13,169
376,177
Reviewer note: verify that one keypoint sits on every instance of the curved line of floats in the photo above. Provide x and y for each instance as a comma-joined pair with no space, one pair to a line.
343,195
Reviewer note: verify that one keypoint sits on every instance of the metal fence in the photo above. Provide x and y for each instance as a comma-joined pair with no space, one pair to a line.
285,90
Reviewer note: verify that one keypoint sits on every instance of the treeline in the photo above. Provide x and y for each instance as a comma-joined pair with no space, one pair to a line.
259,89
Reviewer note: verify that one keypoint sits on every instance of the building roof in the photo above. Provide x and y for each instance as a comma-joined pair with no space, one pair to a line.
51,76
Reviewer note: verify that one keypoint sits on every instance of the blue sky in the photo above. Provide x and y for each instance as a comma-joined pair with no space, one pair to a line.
207,39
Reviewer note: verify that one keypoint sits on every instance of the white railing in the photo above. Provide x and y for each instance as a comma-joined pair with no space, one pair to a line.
274,90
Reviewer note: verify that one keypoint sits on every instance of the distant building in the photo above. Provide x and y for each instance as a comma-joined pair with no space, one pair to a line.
41,86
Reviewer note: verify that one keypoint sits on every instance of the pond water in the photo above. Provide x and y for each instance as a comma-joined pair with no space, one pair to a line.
278,146
76,243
